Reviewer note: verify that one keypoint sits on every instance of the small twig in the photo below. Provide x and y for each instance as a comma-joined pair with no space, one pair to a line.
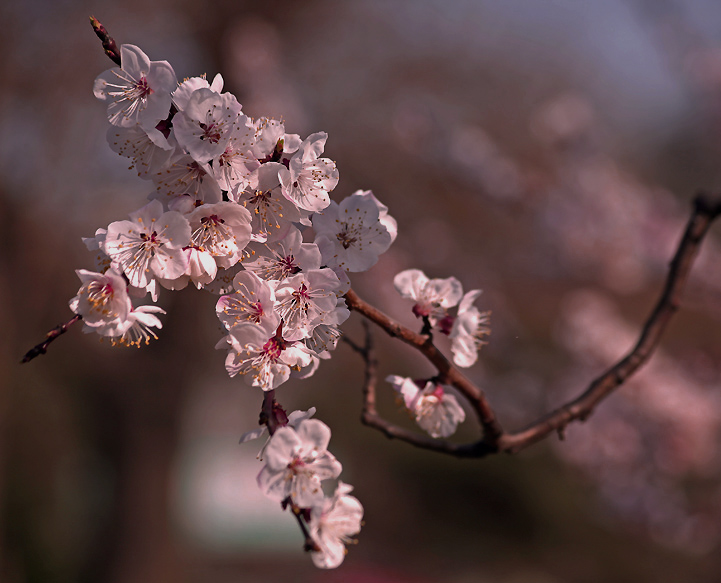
109,46
273,416
447,372
371,418
302,516
42,348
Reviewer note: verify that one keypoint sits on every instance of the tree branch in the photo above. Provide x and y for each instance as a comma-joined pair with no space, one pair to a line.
705,211
371,418
42,348
447,373
109,46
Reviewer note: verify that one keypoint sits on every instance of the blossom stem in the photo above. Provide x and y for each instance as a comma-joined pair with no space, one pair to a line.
42,348
272,415
299,513
447,372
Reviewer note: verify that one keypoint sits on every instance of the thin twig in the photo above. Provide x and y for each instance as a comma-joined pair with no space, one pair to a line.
448,374
302,516
109,46
273,416
370,416
42,348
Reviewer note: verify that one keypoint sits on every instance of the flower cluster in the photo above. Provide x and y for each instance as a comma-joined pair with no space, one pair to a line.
242,209
237,207
430,403
297,463
432,299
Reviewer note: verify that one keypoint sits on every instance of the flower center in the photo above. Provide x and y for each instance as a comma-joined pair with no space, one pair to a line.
273,348
141,89
348,235
211,133
100,295
150,242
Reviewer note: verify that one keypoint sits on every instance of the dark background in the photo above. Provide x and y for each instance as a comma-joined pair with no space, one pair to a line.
545,151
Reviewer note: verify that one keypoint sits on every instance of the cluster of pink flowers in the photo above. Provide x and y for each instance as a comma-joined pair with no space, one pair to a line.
242,209
238,207
432,404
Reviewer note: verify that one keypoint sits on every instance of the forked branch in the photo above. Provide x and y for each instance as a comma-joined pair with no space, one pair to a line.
495,439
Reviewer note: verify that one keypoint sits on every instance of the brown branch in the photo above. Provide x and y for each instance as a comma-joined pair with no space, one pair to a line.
42,348
447,373
704,212
371,418
494,440
302,517
109,46
272,415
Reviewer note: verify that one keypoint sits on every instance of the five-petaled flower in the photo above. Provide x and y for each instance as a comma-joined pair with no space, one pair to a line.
297,461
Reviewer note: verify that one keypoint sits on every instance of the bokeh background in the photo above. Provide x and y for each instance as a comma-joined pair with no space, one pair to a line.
544,151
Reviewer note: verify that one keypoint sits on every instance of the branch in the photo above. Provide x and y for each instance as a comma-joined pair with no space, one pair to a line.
302,517
494,439
42,348
705,211
272,415
371,418
109,46
447,373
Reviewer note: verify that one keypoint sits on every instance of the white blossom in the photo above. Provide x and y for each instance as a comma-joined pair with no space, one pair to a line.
102,301
204,125
222,229
333,523
181,96
435,410
432,297
325,335
185,176
308,179
263,357
297,461
284,258
272,214
234,166
149,245
252,301
201,269
350,235
271,143
469,329
139,326
303,299
148,149
138,92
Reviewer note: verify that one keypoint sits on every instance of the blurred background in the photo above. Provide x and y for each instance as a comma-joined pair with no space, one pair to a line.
544,151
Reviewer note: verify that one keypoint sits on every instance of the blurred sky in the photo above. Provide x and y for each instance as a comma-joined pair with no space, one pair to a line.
543,150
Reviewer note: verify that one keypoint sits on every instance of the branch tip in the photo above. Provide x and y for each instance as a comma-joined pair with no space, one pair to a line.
42,347
109,46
